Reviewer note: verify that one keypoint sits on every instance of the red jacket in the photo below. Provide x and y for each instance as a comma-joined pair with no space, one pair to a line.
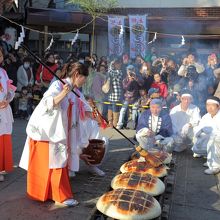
47,76
162,88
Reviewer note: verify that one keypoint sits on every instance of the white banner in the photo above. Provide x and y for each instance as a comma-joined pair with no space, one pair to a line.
138,41
116,35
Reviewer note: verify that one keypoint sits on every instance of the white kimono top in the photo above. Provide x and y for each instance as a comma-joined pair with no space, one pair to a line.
208,124
180,118
50,123
6,93
211,127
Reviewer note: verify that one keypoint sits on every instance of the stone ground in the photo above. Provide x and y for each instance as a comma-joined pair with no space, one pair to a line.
195,195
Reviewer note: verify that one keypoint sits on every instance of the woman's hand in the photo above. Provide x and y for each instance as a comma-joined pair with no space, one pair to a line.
86,158
62,95
66,89
4,104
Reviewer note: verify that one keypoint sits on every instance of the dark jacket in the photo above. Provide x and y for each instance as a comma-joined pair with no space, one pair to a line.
131,90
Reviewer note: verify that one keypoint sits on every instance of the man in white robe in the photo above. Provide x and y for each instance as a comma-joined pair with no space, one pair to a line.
208,136
185,117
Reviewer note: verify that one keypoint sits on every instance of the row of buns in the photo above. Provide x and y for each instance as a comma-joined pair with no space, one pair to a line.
133,189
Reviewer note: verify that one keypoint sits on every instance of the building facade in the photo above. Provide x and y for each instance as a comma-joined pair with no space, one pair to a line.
198,21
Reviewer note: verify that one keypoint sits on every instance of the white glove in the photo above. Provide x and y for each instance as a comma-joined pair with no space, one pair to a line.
185,129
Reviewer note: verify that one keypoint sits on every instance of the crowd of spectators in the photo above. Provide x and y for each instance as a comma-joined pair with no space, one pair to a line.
122,87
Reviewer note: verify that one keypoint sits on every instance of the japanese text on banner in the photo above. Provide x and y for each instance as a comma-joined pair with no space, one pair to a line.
138,28
116,35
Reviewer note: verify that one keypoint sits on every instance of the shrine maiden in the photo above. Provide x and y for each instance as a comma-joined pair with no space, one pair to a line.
7,92
50,143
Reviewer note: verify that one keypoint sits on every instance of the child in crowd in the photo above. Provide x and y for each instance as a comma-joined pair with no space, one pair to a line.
160,85
25,106
174,97
143,101
36,96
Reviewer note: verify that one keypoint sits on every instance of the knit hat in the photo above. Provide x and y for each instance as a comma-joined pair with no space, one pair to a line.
152,90
156,102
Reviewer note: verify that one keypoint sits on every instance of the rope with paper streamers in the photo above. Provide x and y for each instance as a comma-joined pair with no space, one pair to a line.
20,38
50,45
121,31
48,33
183,41
98,17
75,38
154,39
165,34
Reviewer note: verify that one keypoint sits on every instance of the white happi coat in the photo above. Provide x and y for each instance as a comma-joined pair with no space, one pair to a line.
6,93
50,123
158,141
180,123
181,118
208,139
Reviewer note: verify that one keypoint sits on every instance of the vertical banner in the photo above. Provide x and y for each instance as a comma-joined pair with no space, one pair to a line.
138,41
116,35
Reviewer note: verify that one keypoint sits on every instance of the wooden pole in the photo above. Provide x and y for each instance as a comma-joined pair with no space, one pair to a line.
93,36
45,37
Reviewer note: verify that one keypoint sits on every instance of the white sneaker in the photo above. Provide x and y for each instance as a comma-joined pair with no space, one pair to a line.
96,170
68,202
72,174
211,172
119,127
197,155
205,164
2,178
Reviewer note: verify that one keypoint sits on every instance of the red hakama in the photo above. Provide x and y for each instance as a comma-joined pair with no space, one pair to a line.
44,183
6,161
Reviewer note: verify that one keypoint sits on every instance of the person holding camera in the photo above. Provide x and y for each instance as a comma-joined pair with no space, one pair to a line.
146,76
190,60
161,65
114,95
131,85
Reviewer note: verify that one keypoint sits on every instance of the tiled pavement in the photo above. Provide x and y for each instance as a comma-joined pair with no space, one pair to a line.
195,195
